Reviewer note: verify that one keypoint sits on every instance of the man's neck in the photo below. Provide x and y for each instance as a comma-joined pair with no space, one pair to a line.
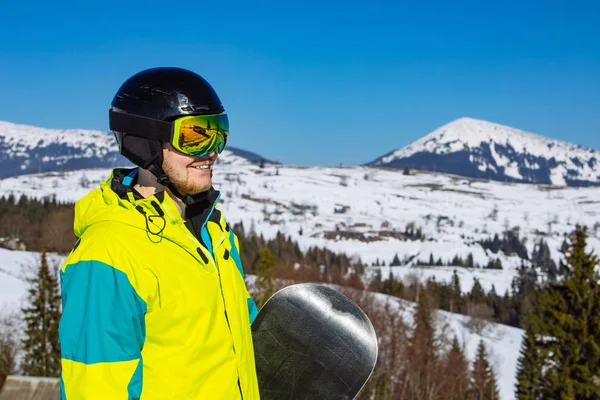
147,185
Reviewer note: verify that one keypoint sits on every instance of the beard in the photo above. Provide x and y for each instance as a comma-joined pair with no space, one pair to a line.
184,180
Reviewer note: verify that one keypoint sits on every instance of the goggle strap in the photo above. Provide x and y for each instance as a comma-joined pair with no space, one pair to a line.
140,126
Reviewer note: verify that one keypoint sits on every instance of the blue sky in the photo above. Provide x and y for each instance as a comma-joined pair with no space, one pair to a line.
316,82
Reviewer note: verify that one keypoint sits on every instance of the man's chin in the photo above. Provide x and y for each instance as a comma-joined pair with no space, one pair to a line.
193,189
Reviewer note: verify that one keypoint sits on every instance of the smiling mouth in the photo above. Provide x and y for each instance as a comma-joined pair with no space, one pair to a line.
207,166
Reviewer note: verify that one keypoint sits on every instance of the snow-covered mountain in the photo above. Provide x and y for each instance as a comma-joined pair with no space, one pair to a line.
28,149
481,149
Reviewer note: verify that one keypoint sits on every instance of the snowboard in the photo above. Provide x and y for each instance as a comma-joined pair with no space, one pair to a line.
312,342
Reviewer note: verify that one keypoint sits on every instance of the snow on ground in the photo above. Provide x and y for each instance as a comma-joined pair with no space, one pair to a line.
312,204
15,266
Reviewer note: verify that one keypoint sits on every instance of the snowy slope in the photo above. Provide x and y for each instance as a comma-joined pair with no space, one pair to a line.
362,210
14,267
29,149
482,149
502,341
26,149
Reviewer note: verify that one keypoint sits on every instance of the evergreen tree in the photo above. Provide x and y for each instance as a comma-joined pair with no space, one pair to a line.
395,261
376,283
529,369
567,325
477,293
456,373
457,301
541,257
470,263
422,378
483,378
265,281
41,349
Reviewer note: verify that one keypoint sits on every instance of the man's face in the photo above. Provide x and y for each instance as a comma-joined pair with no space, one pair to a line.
189,174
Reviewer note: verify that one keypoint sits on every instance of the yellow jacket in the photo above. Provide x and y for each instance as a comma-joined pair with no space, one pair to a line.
149,311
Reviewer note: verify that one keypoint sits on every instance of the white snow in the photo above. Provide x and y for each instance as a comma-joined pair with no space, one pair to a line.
469,133
452,212
23,137
15,266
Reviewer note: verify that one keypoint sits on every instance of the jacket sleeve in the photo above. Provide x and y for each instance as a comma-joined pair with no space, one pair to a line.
235,254
102,332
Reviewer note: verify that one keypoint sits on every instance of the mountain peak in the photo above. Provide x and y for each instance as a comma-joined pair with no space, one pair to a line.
472,132
483,149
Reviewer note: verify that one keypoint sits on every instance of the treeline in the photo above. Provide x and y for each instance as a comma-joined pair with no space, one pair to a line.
509,243
507,308
457,261
286,261
34,224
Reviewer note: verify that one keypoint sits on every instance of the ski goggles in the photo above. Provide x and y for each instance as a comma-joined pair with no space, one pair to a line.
196,135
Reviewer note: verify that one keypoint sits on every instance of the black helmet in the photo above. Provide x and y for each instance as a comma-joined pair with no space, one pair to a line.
157,94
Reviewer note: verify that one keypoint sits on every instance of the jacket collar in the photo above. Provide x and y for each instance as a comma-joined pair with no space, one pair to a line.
197,213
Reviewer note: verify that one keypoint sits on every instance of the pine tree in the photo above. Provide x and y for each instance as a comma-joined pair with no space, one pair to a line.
456,373
470,263
376,283
477,294
265,281
457,301
529,370
568,325
41,347
483,378
421,380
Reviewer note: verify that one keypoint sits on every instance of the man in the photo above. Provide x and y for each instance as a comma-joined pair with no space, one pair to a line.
154,300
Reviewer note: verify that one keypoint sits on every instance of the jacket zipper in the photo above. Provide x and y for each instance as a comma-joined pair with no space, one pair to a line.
221,240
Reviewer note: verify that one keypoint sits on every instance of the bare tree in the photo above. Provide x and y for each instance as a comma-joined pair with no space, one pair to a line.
9,344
